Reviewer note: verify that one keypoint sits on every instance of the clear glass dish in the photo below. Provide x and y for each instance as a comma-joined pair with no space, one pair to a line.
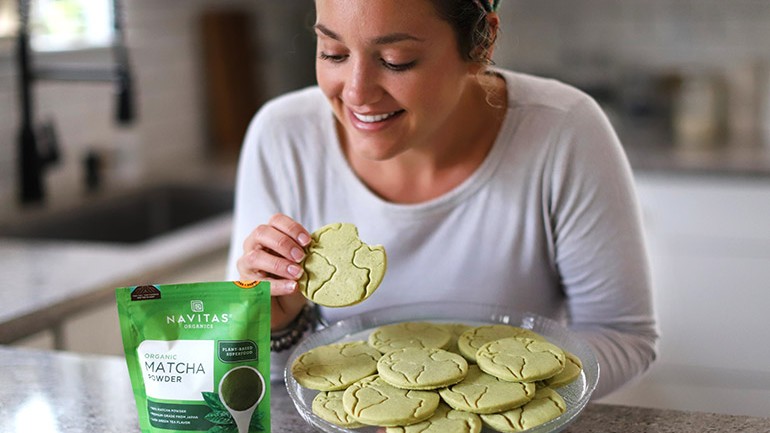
576,394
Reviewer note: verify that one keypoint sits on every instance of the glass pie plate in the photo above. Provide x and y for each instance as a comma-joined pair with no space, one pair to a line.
358,328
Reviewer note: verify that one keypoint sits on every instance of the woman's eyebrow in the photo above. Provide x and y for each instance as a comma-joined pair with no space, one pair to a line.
395,37
390,38
327,32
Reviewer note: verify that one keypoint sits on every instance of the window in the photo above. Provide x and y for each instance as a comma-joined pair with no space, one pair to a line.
61,25
7,18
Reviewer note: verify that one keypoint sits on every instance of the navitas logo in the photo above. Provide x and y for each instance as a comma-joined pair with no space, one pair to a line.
196,306
198,319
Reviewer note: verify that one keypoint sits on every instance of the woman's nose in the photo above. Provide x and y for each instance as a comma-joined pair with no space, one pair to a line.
362,85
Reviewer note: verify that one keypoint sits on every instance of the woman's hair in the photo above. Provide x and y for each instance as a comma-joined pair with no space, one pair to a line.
468,18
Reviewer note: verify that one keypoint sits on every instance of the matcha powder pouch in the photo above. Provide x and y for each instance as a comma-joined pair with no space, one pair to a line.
198,355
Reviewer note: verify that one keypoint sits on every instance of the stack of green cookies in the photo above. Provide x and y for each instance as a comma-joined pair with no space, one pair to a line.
439,377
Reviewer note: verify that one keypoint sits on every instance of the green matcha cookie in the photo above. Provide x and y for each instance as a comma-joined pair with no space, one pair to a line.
328,406
373,401
471,340
421,368
572,368
340,269
335,366
520,359
455,329
444,420
546,405
482,393
409,334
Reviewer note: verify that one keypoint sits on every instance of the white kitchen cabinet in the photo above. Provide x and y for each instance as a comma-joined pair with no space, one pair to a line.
709,245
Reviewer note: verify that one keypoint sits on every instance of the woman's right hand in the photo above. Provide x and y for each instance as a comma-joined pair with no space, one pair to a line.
274,252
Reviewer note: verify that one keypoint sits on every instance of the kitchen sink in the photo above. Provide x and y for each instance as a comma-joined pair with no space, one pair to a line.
131,217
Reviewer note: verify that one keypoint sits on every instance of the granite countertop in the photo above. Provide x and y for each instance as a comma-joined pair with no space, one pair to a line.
45,391
44,282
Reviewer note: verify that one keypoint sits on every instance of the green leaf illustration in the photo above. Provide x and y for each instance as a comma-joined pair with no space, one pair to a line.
220,417
213,401
255,425
223,429
223,421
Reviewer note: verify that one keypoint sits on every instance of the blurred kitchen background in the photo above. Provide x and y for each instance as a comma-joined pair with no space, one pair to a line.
685,82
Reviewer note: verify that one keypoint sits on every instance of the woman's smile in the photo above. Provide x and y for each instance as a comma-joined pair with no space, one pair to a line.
372,118
373,121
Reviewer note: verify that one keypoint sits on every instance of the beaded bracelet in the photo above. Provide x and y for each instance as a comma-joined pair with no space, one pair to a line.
287,338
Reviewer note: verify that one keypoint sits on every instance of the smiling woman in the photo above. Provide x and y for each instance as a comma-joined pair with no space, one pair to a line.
404,96
484,185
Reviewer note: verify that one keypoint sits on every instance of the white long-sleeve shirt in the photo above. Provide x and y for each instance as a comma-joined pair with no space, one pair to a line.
549,223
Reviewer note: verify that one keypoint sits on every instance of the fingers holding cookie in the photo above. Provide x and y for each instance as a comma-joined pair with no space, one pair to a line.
274,252
282,236
265,265
287,301
291,228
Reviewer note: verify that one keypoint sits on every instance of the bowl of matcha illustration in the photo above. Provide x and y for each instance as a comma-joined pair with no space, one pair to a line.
241,389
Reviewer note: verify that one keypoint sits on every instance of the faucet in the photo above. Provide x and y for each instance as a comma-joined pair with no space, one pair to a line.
39,148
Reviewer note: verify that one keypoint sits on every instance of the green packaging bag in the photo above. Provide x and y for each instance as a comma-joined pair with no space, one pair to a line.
198,355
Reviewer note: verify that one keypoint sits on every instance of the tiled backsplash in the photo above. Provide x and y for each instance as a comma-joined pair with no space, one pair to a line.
576,39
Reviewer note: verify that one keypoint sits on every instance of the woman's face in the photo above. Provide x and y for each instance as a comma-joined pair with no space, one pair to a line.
392,72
